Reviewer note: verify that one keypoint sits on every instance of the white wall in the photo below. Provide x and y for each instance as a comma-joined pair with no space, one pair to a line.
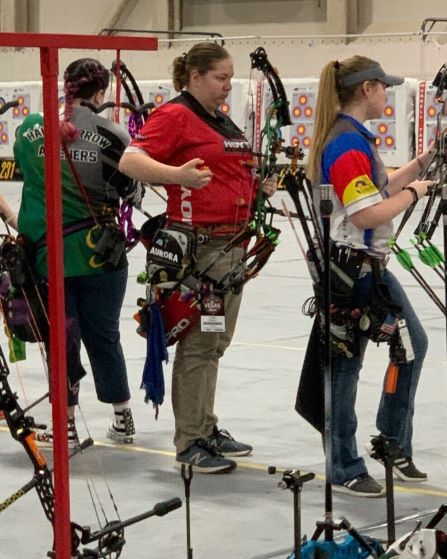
379,16
298,57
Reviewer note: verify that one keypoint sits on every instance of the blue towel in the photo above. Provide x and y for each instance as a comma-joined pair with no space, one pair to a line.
153,379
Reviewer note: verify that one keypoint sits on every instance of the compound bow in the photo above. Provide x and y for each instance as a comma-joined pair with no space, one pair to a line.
428,253
110,538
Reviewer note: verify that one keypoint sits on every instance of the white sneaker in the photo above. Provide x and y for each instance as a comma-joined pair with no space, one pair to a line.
44,439
122,428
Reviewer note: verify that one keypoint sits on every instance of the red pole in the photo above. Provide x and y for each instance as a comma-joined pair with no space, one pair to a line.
49,44
58,369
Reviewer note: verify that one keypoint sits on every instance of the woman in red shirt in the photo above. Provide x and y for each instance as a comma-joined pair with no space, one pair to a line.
201,157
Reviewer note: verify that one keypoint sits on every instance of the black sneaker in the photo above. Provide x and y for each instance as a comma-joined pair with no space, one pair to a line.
205,459
361,486
122,428
226,445
403,468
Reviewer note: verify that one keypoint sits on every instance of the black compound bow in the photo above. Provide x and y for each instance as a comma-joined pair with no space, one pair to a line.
291,176
110,538
434,208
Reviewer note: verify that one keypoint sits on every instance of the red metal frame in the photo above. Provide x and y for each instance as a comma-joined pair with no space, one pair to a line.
49,45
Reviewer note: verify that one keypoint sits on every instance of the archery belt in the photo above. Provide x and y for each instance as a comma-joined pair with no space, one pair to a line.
170,259
361,305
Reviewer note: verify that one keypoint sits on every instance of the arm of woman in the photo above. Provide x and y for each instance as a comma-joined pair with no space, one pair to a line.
7,214
390,207
140,166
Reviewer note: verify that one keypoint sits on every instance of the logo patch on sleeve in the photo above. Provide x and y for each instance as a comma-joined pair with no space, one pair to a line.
359,188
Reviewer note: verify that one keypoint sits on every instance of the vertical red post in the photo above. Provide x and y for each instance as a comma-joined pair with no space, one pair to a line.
58,369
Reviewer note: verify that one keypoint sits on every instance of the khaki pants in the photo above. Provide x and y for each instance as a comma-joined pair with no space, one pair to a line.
194,374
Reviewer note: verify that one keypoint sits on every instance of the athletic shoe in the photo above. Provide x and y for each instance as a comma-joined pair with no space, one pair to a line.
403,467
204,458
45,439
2,415
361,486
405,470
226,445
122,428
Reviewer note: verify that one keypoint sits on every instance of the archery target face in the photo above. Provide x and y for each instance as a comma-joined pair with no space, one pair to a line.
236,105
160,95
29,96
302,114
153,91
385,133
384,128
4,134
392,130
301,96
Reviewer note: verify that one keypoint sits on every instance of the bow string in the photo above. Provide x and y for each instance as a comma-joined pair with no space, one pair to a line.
16,281
277,116
110,538
291,175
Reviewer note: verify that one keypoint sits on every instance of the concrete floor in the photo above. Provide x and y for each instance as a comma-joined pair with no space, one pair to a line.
243,515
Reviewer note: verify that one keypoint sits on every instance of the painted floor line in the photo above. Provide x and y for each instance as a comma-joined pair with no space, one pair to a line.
431,491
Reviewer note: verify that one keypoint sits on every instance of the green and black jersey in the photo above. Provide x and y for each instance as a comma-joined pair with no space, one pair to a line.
95,156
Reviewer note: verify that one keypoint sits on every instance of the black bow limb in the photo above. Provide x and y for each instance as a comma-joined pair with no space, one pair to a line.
140,110
21,426
8,105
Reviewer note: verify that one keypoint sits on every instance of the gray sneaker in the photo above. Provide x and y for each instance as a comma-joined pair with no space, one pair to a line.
122,428
204,458
361,486
405,470
227,445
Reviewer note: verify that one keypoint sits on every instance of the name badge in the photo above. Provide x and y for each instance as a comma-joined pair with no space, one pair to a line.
212,313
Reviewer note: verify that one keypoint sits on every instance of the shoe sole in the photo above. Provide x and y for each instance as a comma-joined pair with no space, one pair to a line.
44,444
121,440
347,491
236,454
201,470
403,477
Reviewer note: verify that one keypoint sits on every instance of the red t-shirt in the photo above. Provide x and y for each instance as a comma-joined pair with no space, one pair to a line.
182,130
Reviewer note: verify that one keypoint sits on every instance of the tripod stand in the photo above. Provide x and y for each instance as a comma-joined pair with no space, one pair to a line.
328,525
293,480
386,450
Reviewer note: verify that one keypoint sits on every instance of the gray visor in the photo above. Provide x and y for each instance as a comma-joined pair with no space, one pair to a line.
371,73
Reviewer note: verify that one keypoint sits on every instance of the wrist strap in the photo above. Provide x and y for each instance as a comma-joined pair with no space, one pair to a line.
414,193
